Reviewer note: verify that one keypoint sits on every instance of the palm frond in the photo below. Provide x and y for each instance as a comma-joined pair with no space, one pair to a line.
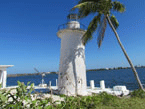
114,21
81,5
101,32
117,6
86,8
91,29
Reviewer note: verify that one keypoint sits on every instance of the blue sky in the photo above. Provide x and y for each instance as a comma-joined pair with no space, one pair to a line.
28,37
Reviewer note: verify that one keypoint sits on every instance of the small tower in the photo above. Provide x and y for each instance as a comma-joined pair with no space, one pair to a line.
72,69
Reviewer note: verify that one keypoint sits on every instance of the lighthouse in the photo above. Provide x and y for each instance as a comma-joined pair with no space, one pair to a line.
72,68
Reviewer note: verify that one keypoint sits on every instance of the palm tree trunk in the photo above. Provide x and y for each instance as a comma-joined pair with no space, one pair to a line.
127,57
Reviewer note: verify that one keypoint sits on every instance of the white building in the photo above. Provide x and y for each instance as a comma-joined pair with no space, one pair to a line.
3,74
72,69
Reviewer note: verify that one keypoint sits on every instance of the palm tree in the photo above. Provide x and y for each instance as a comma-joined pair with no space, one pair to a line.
103,9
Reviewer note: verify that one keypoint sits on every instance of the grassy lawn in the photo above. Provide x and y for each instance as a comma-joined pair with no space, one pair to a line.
104,101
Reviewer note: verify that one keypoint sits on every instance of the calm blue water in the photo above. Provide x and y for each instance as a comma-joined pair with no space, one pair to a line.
111,77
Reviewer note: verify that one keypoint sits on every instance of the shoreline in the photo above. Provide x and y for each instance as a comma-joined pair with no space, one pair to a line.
100,69
28,74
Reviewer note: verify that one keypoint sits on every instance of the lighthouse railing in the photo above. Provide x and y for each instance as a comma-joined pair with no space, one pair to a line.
65,26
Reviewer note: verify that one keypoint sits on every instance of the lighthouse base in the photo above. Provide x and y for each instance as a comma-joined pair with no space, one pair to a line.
84,93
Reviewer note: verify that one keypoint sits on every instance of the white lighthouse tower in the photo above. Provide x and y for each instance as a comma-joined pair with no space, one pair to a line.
72,69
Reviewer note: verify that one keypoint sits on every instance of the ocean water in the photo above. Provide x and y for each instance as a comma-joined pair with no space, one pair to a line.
111,78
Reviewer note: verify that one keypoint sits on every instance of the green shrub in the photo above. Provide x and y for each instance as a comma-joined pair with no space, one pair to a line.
3,98
88,102
138,93
22,98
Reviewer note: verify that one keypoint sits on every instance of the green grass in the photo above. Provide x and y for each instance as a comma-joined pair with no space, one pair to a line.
102,101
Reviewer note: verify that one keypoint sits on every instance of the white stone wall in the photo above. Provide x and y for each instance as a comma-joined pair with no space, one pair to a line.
72,70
